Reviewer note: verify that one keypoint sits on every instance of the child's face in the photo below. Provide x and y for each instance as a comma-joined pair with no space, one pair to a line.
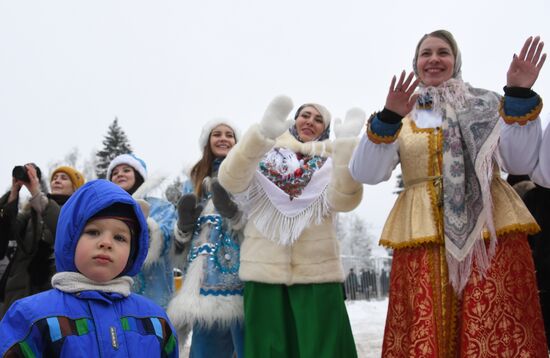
103,249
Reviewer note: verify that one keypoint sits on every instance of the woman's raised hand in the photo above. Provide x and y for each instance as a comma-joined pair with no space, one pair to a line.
275,122
34,183
15,188
401,98
524,69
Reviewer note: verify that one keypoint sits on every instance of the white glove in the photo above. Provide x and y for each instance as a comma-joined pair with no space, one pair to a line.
355,119
275,122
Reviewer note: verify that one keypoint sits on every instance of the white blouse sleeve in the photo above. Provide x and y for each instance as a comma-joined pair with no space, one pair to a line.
373,163
519,146
541,174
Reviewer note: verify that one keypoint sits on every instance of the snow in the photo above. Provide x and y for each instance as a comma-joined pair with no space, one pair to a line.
367,320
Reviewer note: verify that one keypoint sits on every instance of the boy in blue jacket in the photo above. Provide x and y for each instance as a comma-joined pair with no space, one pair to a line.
101,241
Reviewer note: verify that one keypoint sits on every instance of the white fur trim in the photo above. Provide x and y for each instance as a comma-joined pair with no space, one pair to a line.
149,185
213,123
156,242
189,307
131,160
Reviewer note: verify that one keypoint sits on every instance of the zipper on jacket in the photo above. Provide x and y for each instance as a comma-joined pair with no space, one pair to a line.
114,341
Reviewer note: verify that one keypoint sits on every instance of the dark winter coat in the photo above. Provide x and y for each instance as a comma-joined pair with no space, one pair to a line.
31,267
537,201
89,323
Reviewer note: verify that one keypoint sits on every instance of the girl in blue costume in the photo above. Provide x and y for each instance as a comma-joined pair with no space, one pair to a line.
156,277
101,241
207,244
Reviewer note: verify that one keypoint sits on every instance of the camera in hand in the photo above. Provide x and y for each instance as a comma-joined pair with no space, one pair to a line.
20,172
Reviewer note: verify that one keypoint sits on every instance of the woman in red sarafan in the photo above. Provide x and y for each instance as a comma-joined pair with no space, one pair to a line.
462,281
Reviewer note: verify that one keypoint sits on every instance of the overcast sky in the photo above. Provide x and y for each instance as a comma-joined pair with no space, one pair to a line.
67,68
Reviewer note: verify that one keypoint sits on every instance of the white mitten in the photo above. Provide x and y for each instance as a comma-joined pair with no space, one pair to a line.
275,122
355,119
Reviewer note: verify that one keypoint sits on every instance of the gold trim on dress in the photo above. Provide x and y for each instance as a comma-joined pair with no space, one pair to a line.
529,229
436,239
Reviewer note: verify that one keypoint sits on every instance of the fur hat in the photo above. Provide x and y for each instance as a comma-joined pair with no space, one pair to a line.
213,123
128,159
76,177
321,109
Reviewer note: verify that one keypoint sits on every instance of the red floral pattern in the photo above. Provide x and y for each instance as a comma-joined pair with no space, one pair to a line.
498,316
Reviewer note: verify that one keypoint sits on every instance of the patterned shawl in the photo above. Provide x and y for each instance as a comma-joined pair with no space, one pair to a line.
288,193
470,140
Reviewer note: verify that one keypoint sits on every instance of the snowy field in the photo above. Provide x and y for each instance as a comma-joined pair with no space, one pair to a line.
367,323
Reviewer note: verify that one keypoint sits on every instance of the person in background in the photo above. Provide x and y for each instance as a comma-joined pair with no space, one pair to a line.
462,281
292,180
537,200
31,232
352,285
101,241
155,280
207,245
521,184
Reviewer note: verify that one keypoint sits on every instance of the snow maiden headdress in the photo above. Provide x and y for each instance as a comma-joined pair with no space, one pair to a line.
289,190
470,139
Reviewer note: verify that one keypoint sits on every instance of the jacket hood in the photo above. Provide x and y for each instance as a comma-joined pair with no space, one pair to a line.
92,197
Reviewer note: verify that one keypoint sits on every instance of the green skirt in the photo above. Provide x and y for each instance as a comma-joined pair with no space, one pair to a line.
306,321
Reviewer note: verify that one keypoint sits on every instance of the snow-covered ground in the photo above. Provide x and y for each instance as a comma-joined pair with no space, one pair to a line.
367,323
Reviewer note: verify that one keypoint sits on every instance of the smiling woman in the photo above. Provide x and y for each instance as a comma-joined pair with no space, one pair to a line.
292,179
435,61
222,139
207,249
458,231
155,280
309,123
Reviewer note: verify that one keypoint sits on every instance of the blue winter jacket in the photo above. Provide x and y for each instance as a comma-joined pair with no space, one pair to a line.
156,281
88,323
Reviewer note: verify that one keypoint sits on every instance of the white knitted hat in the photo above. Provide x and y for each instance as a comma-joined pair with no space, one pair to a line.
131,160
320,108
213,123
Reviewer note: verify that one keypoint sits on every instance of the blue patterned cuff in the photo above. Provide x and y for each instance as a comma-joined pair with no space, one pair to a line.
518,107
383,129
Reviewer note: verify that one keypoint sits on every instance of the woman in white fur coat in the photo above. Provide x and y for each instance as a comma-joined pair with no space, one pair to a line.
291,180
207,243
155,280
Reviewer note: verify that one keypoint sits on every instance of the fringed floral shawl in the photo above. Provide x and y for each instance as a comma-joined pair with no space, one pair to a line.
289,189
470,141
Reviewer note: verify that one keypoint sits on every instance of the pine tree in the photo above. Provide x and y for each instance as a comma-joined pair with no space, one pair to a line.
114,144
